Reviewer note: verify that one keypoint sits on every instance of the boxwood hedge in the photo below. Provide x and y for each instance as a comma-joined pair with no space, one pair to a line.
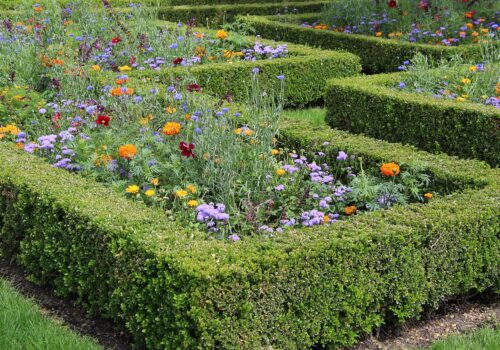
370,105
377,54
220,13
172,289
306,72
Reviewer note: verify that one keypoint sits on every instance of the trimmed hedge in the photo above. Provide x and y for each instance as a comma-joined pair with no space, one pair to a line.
174,290
369,105
213,14
377,55
306,72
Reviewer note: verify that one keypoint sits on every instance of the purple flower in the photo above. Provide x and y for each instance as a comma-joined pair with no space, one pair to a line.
255,70
280,188
342,156
281,77
234,237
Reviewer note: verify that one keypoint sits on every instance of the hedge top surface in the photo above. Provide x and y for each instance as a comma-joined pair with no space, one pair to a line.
151,231
382,85
277,20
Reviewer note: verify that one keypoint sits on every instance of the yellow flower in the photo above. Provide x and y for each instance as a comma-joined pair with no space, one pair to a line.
428,195
124,68
133,189
155,181
465,81
275,152
248,132
473,68
461,99
192,203
10,129
191,188
280,172
181,193
221,34
96,68
150,193
378,34
171,109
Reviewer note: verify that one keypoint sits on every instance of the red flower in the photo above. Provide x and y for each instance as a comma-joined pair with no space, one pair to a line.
423,5
116,40
132,60
56,117
186,150
194,87
177,61
470,14
392,3
103,120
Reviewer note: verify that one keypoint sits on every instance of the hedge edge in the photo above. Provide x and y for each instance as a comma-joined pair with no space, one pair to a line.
306,73
378,55
371,106
326,286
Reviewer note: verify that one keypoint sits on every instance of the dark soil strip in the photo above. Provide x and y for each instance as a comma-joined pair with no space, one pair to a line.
453,318
103,331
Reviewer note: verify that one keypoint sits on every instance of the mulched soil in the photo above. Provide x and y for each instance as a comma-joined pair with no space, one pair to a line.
103,331
452,318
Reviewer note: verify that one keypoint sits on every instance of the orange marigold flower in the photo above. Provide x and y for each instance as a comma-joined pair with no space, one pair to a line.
221,34
378,34
116,91
350,210
171,128
127,151
390,169
428,195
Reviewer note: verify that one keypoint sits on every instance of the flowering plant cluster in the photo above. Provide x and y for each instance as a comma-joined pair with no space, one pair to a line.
444,22
205,162
477,83
106,40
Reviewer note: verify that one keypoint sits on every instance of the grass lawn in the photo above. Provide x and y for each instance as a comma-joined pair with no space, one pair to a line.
23,326
483,339
316,116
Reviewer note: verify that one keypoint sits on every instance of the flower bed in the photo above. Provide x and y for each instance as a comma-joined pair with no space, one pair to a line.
447,22
464,129
172,288
239,230
377,54
187,47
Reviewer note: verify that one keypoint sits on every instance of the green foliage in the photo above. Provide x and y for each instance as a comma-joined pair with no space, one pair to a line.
484,339
377,55
306,72
171,288
24,325
370,106
210,14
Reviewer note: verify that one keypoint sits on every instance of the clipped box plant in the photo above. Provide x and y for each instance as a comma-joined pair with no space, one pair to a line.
328,285
305,70
210,14
439,118
197,223
378,55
